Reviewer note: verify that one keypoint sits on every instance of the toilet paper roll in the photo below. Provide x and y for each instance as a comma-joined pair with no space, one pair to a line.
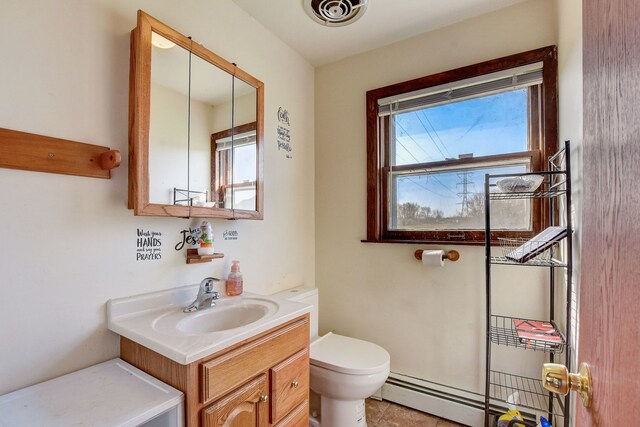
433,258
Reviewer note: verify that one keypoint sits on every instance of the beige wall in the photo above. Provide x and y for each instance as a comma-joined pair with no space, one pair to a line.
571,124
430,320
67,244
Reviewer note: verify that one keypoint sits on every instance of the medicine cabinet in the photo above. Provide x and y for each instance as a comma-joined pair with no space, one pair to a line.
196,130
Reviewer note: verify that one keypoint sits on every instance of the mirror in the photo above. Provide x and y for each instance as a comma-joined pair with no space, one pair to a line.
196,129
169,122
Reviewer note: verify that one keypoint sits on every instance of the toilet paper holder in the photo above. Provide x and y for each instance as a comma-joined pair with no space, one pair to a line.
452,255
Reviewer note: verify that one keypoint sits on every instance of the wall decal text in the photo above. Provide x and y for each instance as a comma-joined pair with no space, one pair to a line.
283,116
284,133
148,245
189,237
230,235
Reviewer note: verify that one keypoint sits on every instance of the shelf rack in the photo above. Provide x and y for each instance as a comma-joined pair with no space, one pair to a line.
532,262
532,394
499,385
503,332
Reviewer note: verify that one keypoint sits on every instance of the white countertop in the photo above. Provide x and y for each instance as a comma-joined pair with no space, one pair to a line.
134,318
109,394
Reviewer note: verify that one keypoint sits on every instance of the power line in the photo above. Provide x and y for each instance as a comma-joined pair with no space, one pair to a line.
435,144
436,133
429,135
414,141
407,150
474,124
435,178
422,186
413,180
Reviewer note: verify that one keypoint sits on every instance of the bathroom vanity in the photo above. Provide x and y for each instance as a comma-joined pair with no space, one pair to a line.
256,374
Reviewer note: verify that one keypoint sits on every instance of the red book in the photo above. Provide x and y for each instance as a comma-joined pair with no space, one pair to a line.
537,331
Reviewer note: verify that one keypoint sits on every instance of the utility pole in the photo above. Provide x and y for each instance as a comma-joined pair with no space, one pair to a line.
466,185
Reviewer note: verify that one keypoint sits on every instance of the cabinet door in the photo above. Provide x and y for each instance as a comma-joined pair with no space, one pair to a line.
299,417
289,384
247,406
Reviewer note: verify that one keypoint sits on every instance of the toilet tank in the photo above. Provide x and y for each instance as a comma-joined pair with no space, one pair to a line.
305,295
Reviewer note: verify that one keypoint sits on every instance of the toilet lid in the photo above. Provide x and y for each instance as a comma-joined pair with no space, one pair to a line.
348,355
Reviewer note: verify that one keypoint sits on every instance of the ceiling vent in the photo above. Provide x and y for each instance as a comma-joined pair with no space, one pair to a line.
335,13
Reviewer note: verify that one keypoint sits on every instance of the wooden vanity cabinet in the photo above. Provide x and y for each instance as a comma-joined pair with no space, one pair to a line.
262,381
245,407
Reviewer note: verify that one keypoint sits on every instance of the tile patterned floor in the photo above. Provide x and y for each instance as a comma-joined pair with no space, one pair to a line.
387,414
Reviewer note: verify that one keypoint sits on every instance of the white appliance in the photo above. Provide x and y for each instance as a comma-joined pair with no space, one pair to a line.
110,394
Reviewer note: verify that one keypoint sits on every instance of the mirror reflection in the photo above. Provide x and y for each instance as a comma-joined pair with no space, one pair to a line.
234,159
211,111
197,157
169,121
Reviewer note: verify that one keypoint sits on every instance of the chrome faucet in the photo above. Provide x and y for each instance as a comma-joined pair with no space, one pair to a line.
206,296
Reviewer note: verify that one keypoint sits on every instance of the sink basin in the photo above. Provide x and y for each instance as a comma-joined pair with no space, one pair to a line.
156,321
224,316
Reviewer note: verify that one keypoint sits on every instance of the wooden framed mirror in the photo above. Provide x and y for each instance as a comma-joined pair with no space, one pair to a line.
181,96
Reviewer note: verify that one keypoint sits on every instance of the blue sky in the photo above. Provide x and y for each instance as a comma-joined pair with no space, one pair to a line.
488,125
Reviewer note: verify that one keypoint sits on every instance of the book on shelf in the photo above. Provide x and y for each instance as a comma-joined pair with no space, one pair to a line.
539,331
537,244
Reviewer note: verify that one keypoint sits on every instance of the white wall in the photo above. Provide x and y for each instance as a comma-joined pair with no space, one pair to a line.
68,243
430,320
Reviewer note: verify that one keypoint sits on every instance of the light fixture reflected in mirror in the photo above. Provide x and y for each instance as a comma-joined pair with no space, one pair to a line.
158,41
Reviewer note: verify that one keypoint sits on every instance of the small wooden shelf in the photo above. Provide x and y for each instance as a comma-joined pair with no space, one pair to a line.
194,258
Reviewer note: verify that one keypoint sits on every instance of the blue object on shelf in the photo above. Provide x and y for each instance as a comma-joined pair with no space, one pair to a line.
544,422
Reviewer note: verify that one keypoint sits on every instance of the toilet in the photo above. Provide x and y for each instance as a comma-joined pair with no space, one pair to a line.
344,371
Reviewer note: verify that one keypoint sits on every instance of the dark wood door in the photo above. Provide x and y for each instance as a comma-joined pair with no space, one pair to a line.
245,407
609,336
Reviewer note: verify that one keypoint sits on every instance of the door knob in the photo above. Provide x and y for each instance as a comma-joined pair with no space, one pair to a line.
264,398
557,379
295,384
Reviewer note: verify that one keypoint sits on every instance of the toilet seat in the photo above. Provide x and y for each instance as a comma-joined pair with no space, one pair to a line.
348,355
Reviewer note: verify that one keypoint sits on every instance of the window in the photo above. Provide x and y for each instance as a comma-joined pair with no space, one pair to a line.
430,142
233,166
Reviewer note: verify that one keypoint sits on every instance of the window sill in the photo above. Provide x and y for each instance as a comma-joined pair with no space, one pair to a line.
430,242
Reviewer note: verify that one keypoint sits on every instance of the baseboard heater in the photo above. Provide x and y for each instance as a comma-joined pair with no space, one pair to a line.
455,404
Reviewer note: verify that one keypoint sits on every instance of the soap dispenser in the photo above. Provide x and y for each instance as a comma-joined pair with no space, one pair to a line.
233,285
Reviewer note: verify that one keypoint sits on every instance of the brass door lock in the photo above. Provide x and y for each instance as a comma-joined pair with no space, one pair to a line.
557,379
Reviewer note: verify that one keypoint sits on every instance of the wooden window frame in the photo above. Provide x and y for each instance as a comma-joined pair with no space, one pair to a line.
218,182
378,148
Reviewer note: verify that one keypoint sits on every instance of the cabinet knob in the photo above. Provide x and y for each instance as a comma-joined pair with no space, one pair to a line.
294,384
264,398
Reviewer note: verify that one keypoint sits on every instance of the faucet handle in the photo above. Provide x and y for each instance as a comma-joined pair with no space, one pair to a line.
207,284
